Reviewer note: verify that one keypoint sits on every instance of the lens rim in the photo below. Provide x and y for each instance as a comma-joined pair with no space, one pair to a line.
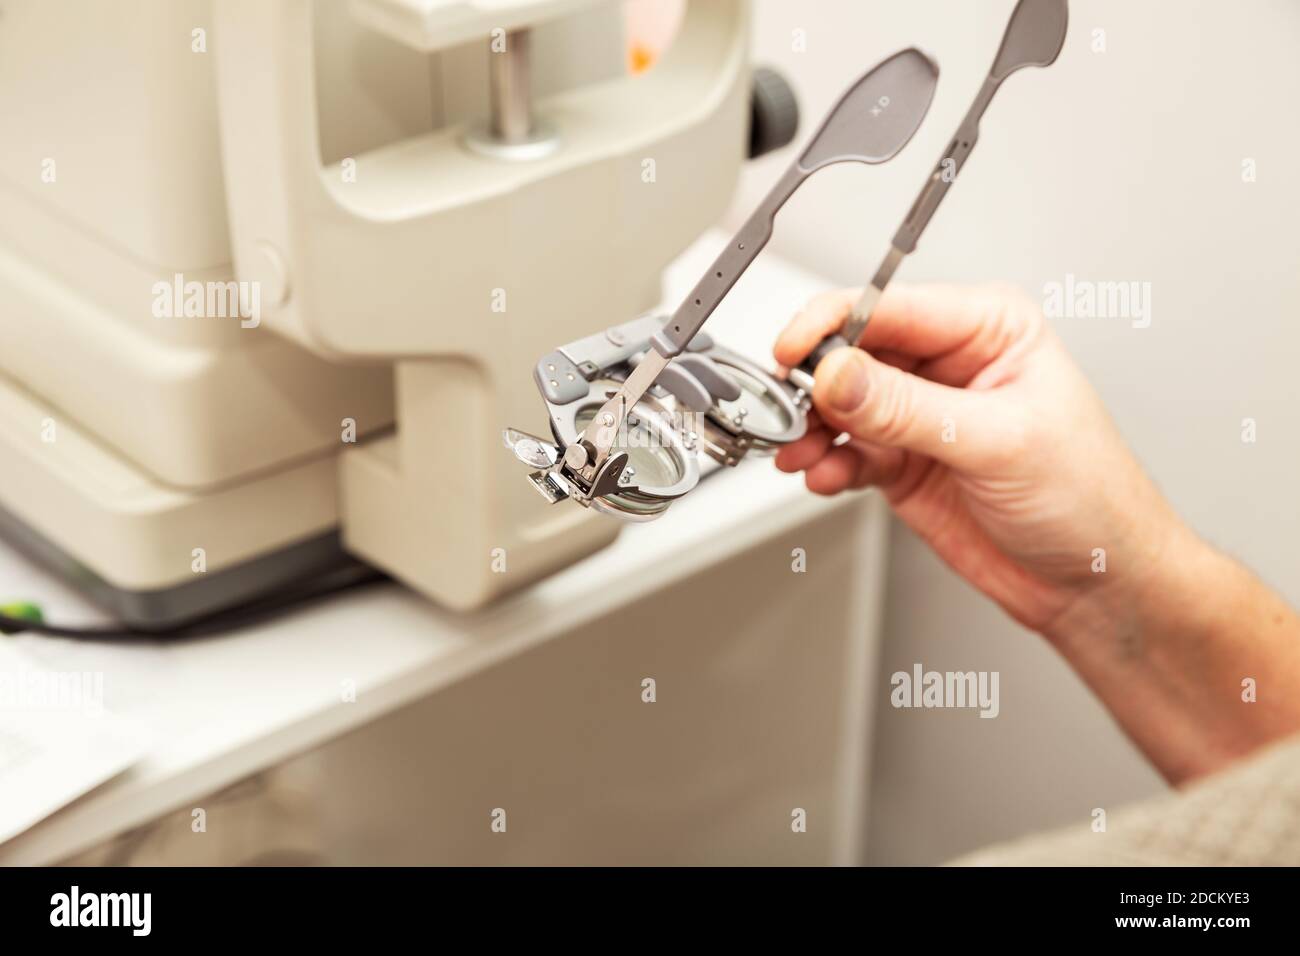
759,436
564,425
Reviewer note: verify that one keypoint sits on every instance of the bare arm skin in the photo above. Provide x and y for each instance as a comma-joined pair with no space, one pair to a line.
988,442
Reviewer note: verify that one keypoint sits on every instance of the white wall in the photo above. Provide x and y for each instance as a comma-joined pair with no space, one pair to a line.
1119,165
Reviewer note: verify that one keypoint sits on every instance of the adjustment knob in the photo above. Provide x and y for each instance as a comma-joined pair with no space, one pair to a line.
774,112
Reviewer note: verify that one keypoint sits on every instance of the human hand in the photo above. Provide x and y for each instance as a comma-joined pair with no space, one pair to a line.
987,440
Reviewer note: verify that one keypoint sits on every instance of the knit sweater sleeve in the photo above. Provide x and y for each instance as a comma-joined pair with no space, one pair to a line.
1246,815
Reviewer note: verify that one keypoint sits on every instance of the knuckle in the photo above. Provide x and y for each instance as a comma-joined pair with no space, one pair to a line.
1010,303
826,306
1012,315
1008,295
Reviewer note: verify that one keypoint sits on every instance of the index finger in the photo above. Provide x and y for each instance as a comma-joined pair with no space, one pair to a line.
822,315
924,321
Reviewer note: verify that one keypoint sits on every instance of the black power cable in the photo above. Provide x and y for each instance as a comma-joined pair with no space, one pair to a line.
245,615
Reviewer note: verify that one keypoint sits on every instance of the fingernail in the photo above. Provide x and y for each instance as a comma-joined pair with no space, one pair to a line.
848,386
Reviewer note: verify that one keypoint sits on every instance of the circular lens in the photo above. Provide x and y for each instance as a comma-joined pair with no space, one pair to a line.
651,464
660,468
630,507
758,410
765,413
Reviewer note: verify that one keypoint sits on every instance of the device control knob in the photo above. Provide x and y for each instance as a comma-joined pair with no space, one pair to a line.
774,112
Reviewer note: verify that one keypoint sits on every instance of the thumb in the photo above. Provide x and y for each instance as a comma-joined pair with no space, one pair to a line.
887,406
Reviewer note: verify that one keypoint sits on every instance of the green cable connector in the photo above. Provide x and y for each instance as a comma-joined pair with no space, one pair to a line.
23,611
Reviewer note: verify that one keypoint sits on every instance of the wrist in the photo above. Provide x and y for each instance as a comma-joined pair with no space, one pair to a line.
1162,576
1167,649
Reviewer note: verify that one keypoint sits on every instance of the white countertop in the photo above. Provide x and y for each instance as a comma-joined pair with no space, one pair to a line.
222,708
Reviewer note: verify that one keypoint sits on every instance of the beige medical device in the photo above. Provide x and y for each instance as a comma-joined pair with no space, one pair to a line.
273,275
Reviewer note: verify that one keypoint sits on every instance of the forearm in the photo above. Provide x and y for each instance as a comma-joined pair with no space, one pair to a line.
1199,662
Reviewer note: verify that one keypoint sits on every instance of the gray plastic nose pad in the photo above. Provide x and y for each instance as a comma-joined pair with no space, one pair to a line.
701,343
684,386
712,376
559,379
